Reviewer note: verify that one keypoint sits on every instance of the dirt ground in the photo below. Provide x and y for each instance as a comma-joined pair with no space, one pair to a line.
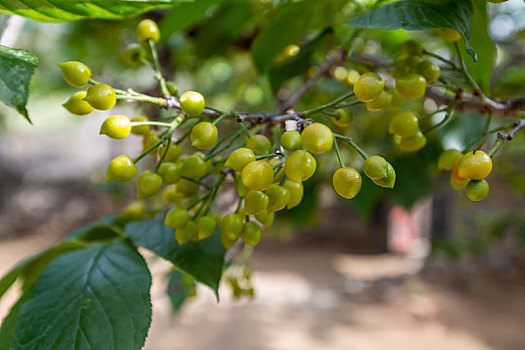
313,299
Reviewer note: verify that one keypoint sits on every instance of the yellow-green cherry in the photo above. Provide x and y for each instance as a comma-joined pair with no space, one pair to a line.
134,54
170,173
300,166
343,117
446,159
192,103
255,202
187,233
75,73
317,138
205,227
177,218
259,144
204,135
296,190
232,225
148,30
77,105
148,184
278,198
380,103
390,179
347,182
369,87
101,96
257,176
411,86
116,127
450,34
173,153
140,129
475,165
265,218
404,124
477,190
121,168
413,143
375,167
239,158
251,233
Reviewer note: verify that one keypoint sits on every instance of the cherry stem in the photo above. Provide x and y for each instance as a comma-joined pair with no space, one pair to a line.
156,64
338,153
353,144
329,104
151,123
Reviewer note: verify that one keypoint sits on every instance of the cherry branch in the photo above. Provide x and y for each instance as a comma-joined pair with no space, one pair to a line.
480,103
310,83
509,135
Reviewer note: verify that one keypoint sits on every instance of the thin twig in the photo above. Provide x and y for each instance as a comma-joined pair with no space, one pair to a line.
310,83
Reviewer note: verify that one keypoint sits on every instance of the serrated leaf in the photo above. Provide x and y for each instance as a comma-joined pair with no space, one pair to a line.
203,260
292,22
31,267
16,69
420,15
70,10
7,331
92,298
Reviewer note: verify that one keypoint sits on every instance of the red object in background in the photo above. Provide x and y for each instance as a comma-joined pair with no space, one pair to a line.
403,229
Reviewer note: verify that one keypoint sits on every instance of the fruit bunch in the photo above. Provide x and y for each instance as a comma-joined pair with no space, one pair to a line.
468,171
267,165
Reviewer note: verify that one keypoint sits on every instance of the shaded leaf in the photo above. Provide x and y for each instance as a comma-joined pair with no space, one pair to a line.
7,331
31,267
16,69
292,22
183,15
228,22
203,260
180,287
294,65
92,298
482,43
420,15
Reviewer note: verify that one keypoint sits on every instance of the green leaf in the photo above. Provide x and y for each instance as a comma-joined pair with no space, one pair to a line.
7,331
31,267
294,65
183,15
482,43
70,10
180,286
84,230
203,260
228,23
16,70
420,15
293,21
92,298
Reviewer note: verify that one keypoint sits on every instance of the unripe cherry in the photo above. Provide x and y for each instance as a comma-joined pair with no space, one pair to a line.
116,127
192,103
347,182
76,104
75,73
317,138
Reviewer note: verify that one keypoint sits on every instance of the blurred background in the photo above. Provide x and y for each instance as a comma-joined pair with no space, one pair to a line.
418,267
